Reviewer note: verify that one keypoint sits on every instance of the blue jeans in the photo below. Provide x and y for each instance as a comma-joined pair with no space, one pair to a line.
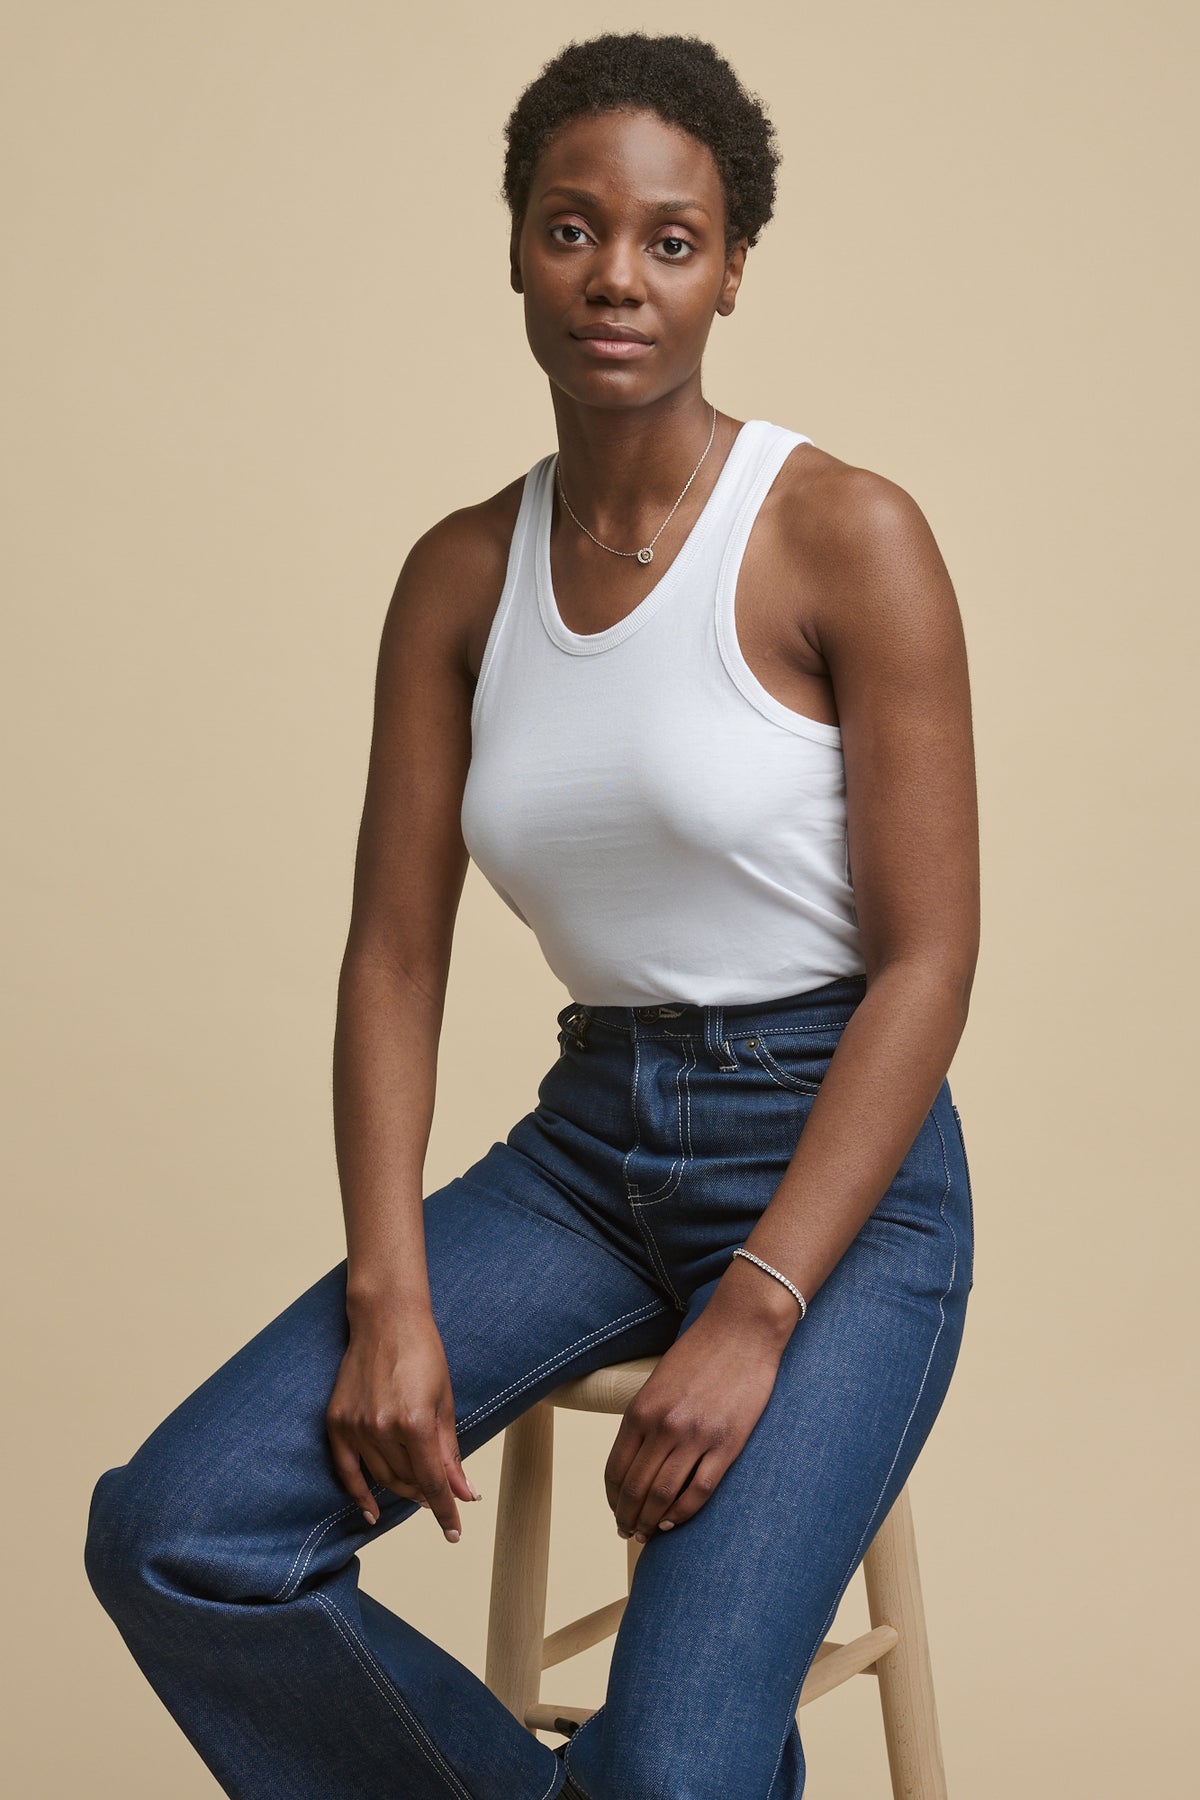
227,1552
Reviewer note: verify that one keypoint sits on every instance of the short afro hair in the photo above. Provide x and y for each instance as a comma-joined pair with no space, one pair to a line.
683,80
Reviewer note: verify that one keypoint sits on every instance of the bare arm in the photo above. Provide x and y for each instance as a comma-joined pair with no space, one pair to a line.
891,635
392,1405
409,872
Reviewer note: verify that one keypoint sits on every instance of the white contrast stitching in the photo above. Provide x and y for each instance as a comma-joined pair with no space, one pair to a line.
865,1538
318,1532
558,1770
637,1129
600,1335
590,1720
362,1654
672,1180
794,1084
670,1185
648,1240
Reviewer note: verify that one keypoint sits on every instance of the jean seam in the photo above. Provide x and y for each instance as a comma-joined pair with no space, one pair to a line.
788,1030
637,1128
655,1254
599,1335
683,1104
790,1084
590,1720
673,1180
296,1573
391,1693
314,1537
556,1785
966,1165
865,1540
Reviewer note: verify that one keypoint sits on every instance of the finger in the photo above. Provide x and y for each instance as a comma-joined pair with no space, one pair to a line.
626,1445
664,1490
702,1485
349,1473
425,1453
387,1475
388,1461
460,1481
632,1492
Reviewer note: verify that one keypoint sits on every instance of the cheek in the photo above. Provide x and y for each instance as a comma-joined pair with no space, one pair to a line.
550,296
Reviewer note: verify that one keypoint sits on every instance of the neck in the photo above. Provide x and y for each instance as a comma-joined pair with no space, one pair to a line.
623,467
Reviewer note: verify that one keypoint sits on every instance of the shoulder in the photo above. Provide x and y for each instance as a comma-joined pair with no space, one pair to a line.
453,574
842,515
469,546
871,561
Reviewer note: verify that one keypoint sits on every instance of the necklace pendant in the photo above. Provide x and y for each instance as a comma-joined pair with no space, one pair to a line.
646,555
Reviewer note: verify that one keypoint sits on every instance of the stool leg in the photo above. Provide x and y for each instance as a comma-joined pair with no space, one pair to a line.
520,1561
905,1674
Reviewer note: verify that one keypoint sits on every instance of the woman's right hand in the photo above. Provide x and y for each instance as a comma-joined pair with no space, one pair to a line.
392,1406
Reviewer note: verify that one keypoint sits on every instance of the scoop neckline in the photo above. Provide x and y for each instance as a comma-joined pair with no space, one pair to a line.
587,643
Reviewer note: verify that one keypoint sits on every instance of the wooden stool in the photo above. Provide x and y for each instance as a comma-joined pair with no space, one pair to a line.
895,1650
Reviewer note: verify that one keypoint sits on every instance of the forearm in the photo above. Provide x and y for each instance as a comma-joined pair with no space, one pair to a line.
384,1081
891,1060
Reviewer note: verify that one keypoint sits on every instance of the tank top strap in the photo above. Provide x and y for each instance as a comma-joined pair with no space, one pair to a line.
770,449
694,567
757,455
519,573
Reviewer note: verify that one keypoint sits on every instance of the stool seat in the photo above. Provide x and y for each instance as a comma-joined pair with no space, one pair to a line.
895,1650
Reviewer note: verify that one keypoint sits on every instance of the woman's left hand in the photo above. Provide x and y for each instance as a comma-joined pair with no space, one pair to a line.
688,1424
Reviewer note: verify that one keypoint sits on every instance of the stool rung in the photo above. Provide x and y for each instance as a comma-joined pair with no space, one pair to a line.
541,1715
895,1650
583,1632
835,1663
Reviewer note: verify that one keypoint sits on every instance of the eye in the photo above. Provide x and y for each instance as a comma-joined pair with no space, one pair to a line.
683,242
578,228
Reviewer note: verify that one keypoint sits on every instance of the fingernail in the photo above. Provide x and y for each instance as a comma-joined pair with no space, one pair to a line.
641,1537
474,1494
453,1535
621,1532
369,1517
666,1524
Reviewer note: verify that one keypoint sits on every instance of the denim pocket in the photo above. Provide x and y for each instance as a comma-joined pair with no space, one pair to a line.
794,1060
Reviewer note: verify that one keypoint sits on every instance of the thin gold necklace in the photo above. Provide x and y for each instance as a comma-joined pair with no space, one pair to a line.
646,553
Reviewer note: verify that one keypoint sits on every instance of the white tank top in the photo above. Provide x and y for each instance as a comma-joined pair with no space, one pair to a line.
667,828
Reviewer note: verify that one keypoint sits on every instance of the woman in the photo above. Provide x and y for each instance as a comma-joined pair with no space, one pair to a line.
745,1157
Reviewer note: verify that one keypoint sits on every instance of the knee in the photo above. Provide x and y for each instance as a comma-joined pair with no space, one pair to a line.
115,1549
140,1549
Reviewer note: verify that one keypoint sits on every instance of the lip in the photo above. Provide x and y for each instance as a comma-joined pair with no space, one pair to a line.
607,328
613,349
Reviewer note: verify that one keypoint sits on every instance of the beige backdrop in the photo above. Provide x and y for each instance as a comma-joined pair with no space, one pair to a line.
260,336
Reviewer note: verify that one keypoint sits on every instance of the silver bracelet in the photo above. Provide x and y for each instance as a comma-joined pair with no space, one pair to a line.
750,1257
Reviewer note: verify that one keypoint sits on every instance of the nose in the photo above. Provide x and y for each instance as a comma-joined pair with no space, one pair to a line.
616,275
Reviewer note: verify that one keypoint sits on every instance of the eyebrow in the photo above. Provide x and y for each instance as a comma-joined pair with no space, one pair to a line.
660,206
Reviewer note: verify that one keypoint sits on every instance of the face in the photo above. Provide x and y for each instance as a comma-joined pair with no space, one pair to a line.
625,227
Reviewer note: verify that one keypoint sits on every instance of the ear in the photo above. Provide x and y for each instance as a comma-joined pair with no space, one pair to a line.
514,260
734,267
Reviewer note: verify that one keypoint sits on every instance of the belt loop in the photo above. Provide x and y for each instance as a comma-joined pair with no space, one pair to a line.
714,1038
577,1025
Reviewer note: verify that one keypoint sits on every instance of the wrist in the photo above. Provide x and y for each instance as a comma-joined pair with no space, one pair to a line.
757,1302
369,1299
